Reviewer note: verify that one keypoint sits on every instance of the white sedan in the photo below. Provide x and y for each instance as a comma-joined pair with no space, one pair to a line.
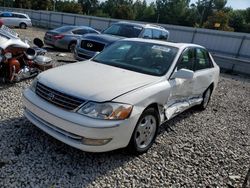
120,97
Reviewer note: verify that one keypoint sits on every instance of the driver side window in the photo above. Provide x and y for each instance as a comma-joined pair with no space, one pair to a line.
187,60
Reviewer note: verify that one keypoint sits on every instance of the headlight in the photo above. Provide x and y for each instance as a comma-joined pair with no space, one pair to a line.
33,85
109,110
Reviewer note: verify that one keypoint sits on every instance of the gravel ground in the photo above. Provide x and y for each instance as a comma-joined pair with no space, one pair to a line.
195,149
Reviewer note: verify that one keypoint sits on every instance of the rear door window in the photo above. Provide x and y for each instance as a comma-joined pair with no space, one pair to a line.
80,31
164,35
202,59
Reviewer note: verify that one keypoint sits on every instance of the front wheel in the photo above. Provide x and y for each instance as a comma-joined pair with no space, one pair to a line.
22,25
145,132
72,47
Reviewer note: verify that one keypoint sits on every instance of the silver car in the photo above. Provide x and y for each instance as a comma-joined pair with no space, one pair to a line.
120,97
15,19
65,37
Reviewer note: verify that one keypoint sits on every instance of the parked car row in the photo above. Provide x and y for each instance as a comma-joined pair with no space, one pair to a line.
133,80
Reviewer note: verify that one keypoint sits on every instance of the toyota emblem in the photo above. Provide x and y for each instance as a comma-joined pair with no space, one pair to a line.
89,45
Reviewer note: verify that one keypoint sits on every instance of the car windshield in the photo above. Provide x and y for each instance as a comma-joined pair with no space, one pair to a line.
124,30
64,29
142,57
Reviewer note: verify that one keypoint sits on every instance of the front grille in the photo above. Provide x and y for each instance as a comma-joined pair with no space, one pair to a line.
58,98
92,45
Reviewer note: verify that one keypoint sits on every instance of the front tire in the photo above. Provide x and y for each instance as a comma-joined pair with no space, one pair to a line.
23,26
72,47
145,132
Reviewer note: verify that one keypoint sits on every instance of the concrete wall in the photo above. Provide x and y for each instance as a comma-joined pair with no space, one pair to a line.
230,49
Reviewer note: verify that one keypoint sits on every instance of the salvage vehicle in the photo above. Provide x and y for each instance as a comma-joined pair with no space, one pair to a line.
65,37
18,60
15,19
120,97
91,44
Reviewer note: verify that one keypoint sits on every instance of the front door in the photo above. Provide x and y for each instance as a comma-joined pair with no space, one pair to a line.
181,89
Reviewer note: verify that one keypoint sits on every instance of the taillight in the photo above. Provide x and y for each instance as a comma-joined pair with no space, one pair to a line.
56,37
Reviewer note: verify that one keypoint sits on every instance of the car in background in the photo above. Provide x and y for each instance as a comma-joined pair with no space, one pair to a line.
120,97
15,19
91,44
65,37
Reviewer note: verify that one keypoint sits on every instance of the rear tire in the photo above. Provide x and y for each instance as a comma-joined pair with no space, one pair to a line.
206,99
145,132
23,26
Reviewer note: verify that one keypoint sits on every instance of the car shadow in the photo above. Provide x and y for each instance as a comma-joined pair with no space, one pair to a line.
25,144
169,126
24,141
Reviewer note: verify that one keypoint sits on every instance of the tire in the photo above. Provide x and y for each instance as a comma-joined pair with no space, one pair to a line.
145,132
72,46
22,25
206,99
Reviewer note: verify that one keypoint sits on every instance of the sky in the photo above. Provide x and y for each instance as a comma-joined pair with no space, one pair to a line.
235,4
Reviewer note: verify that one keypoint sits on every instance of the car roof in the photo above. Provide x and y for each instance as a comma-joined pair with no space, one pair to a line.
77,27
13,13
176,45
142,25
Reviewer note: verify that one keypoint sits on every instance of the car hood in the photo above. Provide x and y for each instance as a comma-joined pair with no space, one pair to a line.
94,81
102,38
8,38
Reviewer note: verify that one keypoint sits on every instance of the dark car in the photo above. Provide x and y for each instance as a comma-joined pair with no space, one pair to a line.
90,44
65,37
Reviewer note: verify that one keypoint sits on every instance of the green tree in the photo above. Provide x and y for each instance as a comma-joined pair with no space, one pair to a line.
247,15
172,11
219,4
220,18
69,6
236,20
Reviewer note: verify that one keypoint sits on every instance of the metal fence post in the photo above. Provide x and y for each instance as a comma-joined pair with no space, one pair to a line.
49,24
40,18
75,20
193,37
61,19
90,19
241,44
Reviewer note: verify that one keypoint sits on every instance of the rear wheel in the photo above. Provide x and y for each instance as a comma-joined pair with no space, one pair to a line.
145,132
206,99
22,25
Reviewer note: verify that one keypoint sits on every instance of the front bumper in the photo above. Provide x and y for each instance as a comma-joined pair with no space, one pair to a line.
70,127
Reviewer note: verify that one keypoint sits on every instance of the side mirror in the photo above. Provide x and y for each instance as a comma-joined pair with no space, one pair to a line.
183,74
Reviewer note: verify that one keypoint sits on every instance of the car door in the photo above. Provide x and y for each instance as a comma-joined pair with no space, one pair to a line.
181,89
147,33
203,72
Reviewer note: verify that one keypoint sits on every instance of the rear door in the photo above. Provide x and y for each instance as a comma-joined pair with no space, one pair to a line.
203,72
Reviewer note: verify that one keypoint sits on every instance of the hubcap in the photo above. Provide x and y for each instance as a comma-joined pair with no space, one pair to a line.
206,97
145,131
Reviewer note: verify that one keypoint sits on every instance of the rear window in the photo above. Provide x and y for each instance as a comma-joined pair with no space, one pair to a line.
124,30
